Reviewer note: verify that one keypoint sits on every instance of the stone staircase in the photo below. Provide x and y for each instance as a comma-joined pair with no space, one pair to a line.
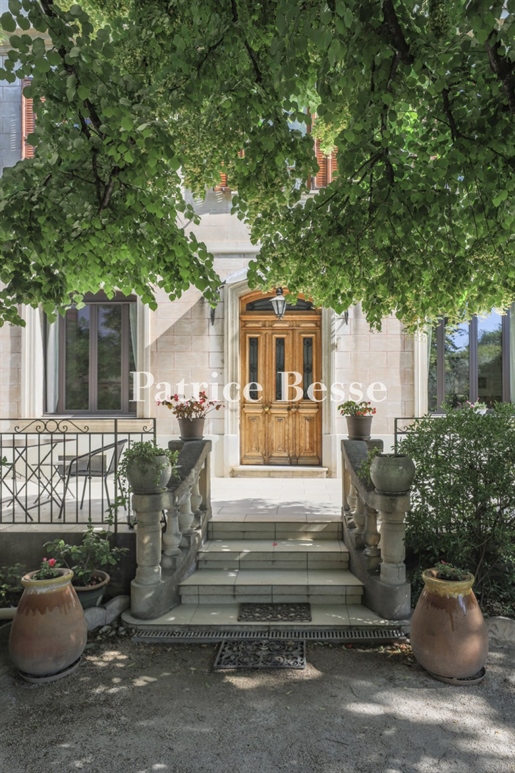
270,561
278,561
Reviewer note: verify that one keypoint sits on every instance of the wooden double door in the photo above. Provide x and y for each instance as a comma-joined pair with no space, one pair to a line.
281,423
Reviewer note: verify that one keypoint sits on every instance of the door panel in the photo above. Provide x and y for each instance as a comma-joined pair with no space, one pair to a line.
276,430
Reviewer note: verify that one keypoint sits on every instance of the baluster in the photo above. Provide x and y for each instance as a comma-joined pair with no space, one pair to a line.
359,520
352,499
205,485
346,485
196,501
393,552
186,518
172,539
371,538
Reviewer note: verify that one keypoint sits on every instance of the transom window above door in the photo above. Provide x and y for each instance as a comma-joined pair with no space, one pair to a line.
90,353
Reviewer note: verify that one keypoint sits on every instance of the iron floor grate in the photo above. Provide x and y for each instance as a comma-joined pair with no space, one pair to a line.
261,653
213,635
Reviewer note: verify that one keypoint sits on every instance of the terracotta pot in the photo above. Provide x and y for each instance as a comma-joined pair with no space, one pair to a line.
149,477
359,427
392,473
191,429
49,631
92,595
448,632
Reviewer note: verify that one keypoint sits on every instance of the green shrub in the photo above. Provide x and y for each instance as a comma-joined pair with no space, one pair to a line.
10,584
463,499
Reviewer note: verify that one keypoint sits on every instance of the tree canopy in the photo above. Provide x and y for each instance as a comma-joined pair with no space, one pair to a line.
139,100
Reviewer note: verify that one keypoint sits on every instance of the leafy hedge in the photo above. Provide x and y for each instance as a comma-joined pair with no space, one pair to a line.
463,503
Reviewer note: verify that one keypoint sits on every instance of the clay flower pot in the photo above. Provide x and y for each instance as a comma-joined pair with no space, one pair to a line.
191,429
448,632
49,630
359,427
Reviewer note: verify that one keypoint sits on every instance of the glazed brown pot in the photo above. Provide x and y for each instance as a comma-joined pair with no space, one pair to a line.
448,632
191,429
359,427
49,630
92,595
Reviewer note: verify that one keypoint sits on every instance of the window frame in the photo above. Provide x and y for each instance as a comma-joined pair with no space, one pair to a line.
473,361
94,301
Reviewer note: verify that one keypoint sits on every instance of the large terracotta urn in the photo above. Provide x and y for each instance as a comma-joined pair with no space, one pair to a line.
448,632
49,630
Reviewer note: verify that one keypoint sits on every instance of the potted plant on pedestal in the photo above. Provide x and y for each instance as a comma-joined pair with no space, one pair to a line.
145,468
448,632
191,413
49,631
359,418
88,562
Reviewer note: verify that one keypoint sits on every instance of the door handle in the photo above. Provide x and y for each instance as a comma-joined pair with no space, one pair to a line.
266,408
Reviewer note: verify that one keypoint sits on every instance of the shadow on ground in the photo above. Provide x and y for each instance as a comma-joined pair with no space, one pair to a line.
133,708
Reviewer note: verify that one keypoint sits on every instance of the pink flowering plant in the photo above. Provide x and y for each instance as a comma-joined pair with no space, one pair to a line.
352,408
191,408
47,570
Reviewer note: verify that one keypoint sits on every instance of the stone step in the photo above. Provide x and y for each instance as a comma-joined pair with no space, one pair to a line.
277,471
317,586
260,529
273,554
323,616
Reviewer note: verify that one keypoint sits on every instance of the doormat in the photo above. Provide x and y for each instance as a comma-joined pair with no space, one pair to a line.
269,653
274,613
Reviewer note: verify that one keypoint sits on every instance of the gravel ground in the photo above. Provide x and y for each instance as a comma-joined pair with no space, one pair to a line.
134,708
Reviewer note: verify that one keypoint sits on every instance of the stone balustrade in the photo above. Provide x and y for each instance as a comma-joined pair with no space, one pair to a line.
374,534
171,526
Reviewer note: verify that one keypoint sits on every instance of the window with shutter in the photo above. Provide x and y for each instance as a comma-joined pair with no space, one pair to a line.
223,186
327,164
27,122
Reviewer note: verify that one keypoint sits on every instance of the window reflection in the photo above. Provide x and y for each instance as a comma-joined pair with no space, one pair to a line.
457,364
489,359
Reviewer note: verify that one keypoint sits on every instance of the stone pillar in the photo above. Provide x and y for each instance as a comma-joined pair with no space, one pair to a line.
393,551
147,582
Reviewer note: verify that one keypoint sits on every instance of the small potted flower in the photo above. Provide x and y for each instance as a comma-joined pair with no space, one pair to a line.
191,413
88,562
359,418
49,631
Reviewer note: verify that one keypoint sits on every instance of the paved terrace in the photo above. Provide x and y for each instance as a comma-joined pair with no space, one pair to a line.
295,499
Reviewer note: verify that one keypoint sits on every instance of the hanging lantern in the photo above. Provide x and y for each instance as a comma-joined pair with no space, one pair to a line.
279,303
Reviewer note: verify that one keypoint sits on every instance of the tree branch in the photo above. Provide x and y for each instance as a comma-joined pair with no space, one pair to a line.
503,68
396,35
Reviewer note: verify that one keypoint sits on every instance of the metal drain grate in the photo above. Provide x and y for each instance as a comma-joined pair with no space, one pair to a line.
211,635
263,653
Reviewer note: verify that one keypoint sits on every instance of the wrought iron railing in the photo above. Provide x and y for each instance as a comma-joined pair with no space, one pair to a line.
63,470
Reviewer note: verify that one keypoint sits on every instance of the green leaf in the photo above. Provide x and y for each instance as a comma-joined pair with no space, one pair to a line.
7,22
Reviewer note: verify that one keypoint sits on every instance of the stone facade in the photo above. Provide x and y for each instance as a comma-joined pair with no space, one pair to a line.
186,341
